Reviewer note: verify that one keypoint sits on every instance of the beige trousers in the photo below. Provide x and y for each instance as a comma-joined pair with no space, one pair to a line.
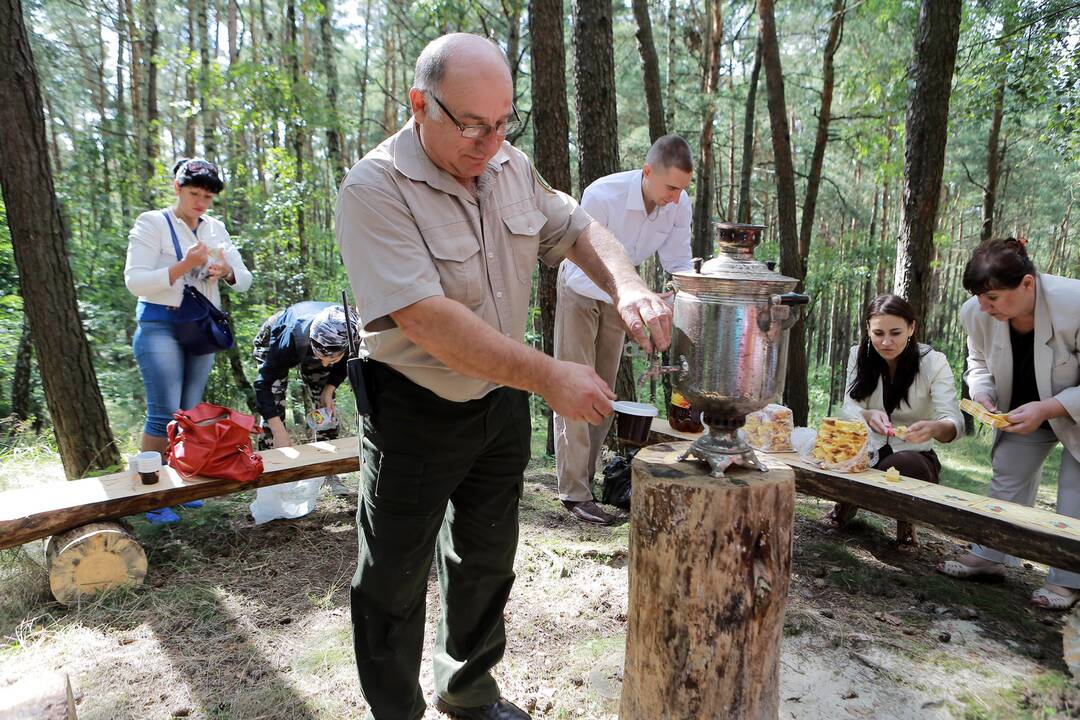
589,332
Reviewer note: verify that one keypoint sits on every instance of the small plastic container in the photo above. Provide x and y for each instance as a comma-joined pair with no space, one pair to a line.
148,465
633,420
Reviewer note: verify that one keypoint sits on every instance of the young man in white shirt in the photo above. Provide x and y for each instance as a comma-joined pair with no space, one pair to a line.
649,212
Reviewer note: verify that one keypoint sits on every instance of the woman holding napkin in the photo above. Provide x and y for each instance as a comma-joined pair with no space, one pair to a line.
168,249
906,394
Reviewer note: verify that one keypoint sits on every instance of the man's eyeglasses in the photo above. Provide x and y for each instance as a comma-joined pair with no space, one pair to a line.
479,132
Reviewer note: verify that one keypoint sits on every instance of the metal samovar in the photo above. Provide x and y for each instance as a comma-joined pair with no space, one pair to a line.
730,342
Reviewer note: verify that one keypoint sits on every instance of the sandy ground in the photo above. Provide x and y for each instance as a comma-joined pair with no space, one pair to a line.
239,621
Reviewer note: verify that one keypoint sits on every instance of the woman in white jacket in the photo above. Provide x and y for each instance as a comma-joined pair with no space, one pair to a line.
1024,357
906,393
168,249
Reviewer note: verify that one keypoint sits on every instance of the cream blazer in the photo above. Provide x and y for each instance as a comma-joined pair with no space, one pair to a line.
932,396
150,255
1057,353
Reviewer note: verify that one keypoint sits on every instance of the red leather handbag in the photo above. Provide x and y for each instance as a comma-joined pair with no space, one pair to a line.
215,442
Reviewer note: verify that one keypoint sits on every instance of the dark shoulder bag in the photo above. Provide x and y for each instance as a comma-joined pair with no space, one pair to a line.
201,327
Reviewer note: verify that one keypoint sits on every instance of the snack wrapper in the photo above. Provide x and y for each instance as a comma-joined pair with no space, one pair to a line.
977,411
769,429
842,445
321,419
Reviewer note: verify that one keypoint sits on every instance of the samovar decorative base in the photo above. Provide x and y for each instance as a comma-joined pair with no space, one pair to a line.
722,447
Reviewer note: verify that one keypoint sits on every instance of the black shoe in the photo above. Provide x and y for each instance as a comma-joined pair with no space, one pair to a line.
501,710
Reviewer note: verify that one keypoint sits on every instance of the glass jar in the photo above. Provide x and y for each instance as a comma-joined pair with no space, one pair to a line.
683,417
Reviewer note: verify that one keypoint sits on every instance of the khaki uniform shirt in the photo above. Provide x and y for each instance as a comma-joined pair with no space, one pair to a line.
408,231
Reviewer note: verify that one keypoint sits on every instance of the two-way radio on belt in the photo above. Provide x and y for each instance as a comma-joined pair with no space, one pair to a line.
355,364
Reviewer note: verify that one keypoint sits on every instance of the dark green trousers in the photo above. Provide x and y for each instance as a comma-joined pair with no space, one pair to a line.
440,479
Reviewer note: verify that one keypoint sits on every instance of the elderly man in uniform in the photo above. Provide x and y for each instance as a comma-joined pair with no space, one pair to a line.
440,228
649,212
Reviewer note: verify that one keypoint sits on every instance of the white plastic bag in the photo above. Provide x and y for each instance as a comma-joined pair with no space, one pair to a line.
285,501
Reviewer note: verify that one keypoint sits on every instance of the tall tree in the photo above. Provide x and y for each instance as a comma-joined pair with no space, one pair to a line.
927,122
746,171
150,58
701,242
817,159
39,237
335,141
297,139
20,379
594,84
551,142
651,68
796,394
994,151
598,132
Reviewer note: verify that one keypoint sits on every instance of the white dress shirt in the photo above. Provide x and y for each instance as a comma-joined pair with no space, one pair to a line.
615,201
932,396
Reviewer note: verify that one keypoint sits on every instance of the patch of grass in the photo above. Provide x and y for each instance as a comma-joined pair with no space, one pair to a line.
965,465
1046,696
833,553
333,650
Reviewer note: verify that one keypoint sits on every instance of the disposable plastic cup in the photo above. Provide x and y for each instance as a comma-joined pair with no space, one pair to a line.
633,420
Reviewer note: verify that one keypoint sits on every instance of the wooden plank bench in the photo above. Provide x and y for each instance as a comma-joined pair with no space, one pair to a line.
1029,533
87,553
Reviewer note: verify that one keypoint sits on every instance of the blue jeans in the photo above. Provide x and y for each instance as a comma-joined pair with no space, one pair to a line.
173,378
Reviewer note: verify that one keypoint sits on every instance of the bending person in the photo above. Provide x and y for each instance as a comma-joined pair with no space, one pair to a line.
309,336
168,249
1023,335
906,393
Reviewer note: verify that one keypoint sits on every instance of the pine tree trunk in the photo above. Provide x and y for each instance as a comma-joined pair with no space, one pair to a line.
208,116
335,143
189,83
20,379
651,69
671,89
747,170
153,121
817,160
39,238
927,123
993,161
297,142
701,242
551,143
594,82
796,394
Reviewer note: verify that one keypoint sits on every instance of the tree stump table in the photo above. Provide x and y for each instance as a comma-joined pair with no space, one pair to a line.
710,564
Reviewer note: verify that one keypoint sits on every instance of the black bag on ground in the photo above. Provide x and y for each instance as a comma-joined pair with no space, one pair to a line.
616,490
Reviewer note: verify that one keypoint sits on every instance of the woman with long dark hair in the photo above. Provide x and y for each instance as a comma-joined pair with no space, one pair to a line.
1024,357
906,393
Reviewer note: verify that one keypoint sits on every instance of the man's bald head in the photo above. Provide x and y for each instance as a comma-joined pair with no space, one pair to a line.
458,50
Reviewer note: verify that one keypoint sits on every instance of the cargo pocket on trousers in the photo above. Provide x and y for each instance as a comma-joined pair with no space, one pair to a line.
398,484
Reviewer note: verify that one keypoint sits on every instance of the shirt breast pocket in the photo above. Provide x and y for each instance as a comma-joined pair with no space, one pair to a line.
524,234
456,254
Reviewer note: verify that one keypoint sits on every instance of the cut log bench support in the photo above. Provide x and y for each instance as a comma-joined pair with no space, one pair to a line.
710,566
87,554
91,558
